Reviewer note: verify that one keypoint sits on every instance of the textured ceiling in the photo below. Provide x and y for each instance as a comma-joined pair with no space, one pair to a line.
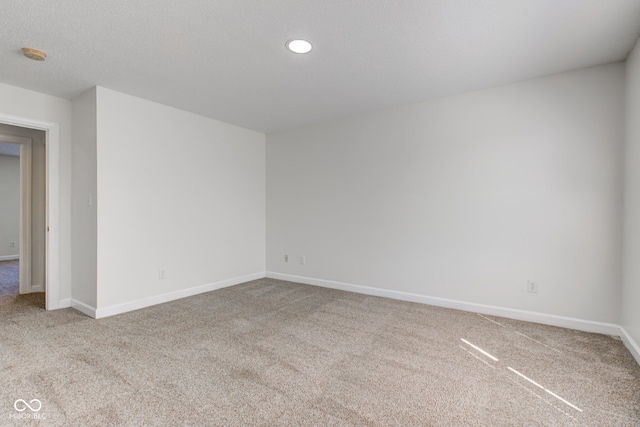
226,59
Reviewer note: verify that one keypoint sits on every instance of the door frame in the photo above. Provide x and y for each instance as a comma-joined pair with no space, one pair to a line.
52,194
25,209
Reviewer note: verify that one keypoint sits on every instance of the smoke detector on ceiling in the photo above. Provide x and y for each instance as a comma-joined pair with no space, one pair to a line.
35,54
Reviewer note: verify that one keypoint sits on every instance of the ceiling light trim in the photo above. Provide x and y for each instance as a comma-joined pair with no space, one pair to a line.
299,46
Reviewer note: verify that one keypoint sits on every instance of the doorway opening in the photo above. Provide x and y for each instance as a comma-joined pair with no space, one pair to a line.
37,248
22,208
9,218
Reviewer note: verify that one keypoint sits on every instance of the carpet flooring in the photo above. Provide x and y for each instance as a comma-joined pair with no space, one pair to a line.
9,277
274,353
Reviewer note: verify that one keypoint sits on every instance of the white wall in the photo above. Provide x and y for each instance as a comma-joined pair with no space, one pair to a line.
26,104
631,292
176,191
9,206
84,231
465,197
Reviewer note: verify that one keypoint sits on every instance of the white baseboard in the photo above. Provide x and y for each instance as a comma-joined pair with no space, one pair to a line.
83,308
9,257
633,346
63,303
170,296
37,288
529,316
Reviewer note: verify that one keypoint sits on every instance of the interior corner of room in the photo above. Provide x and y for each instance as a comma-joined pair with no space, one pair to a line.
320,213
460,201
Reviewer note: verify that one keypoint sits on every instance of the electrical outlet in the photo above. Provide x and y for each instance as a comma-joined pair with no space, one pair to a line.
302,260
532,287
286,258
12,244
162,274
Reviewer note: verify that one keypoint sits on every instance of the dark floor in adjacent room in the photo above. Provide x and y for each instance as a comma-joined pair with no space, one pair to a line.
9,277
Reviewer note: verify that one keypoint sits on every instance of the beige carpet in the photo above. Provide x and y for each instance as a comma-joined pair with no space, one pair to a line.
277,353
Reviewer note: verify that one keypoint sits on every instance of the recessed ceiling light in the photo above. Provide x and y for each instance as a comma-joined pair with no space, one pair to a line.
299,46
35,54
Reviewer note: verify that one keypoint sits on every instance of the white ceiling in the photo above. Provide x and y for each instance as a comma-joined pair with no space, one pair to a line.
226,59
